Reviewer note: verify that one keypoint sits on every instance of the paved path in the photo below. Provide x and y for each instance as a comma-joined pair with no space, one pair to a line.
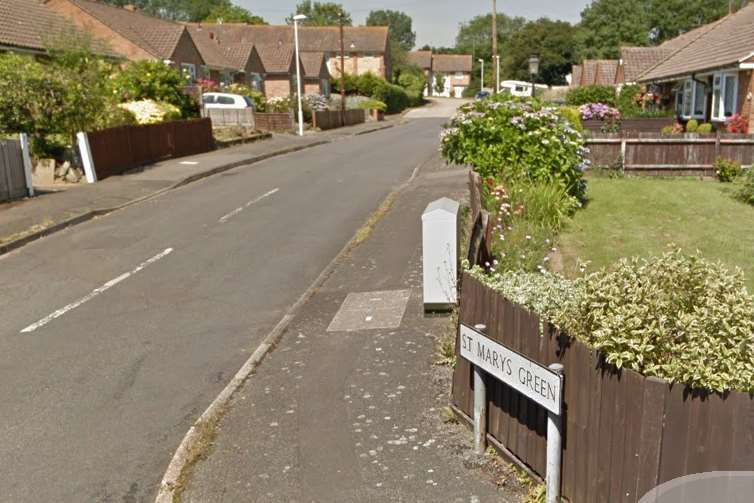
116,334
339,414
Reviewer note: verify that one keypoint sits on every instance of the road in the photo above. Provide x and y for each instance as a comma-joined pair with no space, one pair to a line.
118,333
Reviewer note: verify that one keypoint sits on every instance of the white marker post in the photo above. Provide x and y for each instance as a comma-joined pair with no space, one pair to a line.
480,404
540,384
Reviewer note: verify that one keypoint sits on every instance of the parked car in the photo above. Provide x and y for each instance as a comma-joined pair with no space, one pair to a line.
482,95
227,101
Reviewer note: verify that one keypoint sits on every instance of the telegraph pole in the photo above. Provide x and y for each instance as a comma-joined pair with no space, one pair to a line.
342,73
494,44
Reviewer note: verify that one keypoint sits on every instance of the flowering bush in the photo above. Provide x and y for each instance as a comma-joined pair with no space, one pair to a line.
726,170
207,85
737,124
599,111
316,102
256,96
675,316
512,139
279,104
151,112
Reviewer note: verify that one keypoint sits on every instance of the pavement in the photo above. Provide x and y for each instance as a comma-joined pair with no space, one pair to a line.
23,221
118,332
343,412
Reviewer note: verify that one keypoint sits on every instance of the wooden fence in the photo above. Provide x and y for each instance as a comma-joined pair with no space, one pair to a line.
230,117
655,154
331,119
638,125
12,175
624,434
274,121
119,149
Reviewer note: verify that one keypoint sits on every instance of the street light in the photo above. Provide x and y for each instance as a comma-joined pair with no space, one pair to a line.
296,19
497,74
481,88
533,71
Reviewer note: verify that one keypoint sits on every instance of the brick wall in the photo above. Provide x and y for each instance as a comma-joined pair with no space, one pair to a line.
277,86
745,90
358,65
312,87
274,121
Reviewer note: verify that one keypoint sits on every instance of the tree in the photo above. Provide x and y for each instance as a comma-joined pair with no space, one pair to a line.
400,25
608,24
556,44
670,18
230,13
475,37
321,13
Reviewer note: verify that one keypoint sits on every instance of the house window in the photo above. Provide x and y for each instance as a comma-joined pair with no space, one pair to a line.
724,95
189,69
691,100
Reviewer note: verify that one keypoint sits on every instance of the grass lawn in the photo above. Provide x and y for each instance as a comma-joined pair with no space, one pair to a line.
647,216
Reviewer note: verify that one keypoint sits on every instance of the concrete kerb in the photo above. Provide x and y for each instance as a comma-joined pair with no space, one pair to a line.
187,453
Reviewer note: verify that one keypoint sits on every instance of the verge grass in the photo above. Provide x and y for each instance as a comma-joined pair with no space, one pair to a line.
649,216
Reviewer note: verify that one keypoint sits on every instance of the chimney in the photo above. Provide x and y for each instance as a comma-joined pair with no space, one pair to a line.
130,7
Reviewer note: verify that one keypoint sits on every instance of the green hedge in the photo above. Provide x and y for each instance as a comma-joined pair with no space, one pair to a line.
674,316
591,94
395,97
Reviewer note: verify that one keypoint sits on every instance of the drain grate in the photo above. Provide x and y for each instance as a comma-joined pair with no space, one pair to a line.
370,310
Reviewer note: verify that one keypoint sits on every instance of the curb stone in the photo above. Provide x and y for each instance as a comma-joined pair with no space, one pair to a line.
186,454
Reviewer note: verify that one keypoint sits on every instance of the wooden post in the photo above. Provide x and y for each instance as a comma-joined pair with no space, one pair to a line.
342,73
494,44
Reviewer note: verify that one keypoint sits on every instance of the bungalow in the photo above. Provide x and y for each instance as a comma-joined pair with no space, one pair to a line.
366,48
708,75
132,34
230,63
279,65
30,27
315,75
454,73
423,59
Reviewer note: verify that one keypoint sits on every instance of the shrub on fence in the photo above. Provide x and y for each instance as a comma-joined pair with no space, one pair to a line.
675,316
745,193
727,170
256,96
154,80
511,139
151,112
692,126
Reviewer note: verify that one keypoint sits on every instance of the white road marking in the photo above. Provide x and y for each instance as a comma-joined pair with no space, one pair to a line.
60,312
189,163
238,210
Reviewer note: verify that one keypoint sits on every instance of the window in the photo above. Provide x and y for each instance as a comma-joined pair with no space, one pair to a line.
208,99
691,99
724,95
189,69
225,100
459,75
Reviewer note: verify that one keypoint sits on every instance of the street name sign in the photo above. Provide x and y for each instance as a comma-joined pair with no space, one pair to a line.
528,377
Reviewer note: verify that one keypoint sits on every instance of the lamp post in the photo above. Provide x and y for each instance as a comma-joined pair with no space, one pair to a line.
481,87
497,73
533,71
342,72
296,19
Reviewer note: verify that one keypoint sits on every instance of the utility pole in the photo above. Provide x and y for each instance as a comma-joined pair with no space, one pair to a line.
342,73
494,44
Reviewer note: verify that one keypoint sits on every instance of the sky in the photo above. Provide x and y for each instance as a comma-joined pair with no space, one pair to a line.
435,21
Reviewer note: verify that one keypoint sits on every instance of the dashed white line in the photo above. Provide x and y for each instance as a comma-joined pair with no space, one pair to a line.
238,210
60,312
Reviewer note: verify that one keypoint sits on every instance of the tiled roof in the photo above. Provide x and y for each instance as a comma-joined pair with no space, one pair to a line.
238,54
725,42
29,24
213,55
156,36
312,38
276,58
422,59
576,75
637,60
311,63
599,72
451,63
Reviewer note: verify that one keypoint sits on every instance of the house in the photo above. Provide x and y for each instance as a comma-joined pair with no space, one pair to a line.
30,27
423,59
707,74
131,34
366,48
453,72
228,63
279,65
315,74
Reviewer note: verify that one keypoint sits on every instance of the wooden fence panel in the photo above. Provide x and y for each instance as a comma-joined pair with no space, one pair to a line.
12,175
117,150
624,433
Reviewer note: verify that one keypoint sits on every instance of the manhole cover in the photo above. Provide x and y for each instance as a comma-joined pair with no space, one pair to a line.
368,310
